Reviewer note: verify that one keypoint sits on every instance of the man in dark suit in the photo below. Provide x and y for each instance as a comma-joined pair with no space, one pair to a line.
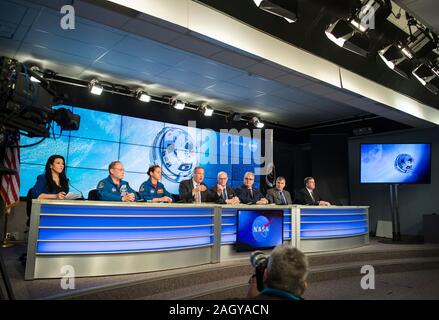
194,190
279,195
307,195
221,193
249,195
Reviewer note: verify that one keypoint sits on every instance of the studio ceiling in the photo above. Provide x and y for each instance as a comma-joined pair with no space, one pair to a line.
127,47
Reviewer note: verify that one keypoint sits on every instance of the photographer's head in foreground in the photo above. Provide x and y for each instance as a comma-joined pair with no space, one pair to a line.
281,275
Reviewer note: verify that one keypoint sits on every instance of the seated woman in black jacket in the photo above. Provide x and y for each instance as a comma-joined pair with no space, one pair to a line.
53,184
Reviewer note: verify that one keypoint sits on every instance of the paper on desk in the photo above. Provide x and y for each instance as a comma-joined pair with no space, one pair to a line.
72,196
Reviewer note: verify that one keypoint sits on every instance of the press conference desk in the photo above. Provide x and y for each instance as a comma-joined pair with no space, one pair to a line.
108,238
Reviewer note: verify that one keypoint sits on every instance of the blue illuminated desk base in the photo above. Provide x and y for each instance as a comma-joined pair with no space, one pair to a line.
107,238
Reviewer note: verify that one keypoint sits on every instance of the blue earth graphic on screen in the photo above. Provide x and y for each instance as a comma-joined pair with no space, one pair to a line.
404,163
177,152
261,228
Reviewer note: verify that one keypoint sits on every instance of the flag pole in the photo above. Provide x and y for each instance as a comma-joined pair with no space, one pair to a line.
5,241
6,170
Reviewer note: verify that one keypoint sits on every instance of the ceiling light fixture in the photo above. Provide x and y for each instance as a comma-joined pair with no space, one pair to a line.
178,104
350,33
207,110
400,56
95,87
428,75
286,9
257,123
142,96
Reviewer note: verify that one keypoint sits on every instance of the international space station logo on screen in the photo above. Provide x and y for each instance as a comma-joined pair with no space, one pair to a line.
261,228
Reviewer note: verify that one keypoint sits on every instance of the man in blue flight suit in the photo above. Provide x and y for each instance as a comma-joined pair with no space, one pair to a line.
152,189
113,188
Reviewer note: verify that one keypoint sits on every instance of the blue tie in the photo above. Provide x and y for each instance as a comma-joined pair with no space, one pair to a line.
284,201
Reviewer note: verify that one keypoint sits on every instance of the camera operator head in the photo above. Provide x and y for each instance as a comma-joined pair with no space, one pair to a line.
284,276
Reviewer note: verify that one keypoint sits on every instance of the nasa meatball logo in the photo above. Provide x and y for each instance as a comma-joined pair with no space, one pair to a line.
404,163
261,228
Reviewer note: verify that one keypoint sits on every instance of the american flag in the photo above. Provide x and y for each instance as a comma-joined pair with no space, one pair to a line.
10,186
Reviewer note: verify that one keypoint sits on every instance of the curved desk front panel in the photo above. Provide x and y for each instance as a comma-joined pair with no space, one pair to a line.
104,238
99,238
332,228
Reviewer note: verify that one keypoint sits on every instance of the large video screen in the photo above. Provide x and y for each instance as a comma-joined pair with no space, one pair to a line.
395,163
138,143
259,229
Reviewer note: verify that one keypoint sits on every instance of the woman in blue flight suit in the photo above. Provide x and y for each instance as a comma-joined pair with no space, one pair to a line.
53,184
153,190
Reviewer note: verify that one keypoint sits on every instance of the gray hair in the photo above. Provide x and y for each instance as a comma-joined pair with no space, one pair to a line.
287,270
249,173
305,181
220,173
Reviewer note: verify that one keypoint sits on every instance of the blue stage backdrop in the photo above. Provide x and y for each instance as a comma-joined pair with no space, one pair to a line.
139,143
395,163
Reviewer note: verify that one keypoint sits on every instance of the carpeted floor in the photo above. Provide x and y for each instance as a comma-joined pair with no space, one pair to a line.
423,284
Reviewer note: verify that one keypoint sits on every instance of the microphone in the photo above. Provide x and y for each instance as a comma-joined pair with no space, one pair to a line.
82,195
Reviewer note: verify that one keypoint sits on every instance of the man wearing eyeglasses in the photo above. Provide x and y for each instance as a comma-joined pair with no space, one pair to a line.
249,195
221,193
113,188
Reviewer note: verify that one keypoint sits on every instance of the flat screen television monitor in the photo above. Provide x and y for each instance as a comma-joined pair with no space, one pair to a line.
259,229
395,163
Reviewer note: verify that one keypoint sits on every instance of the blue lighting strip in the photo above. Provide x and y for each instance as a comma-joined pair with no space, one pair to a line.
119,247
330,211
287,225
341,218
121,234
332,233
118,222
332,223
116,210
66,229
228,225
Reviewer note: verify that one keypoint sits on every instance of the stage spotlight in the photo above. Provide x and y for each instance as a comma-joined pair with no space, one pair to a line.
235,116
396,60
370,14
95,87
143,96
286,9
257,123
178,104
341,33
207,111
398,56
37,71
350,33
428,75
